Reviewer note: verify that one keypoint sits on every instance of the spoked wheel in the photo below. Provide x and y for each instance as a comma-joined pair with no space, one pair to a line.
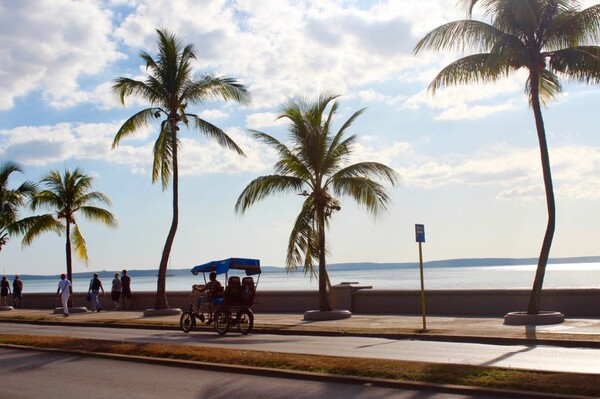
222,321
187,322
245,321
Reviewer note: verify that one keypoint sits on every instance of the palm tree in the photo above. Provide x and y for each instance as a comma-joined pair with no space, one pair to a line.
547,38
169,88
317,166
10,202
68,195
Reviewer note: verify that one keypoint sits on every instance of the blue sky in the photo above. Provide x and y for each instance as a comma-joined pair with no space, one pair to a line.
467,158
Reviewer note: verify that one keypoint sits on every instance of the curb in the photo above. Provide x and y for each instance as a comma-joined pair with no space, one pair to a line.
273,331
280,373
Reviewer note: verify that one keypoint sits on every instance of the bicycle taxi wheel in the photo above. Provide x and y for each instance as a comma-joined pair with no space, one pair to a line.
222,321
187,322
245,321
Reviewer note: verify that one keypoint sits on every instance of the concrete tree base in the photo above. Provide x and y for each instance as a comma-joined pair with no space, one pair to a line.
540,319
317,315
82,309
4,308
162,312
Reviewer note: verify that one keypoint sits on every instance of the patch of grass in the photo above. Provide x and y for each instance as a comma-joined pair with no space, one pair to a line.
490,377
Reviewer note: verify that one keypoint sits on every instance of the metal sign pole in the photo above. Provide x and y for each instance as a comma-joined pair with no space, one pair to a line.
422,288
420,238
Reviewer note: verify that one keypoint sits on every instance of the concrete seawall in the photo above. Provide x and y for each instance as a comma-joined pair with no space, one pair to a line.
362,300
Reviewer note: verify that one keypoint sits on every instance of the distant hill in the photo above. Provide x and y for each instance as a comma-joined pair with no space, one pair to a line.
104,274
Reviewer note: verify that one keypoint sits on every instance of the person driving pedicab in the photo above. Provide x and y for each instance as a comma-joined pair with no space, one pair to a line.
207,291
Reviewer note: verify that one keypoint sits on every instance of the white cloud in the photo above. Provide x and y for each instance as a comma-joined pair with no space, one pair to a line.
516,171
213,114
469,102
284,49
50,46
44,145
371,95
259,120
371,149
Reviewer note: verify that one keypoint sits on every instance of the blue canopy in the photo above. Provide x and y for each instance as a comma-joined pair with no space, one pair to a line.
250,266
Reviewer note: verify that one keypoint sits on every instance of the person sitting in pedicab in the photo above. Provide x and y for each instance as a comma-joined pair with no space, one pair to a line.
207,292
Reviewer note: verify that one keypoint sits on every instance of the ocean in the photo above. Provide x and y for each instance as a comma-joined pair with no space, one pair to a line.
568,275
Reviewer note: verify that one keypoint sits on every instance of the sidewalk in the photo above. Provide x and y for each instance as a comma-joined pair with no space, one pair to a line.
573,332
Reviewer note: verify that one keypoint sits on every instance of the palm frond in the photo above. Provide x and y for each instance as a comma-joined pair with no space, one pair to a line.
578,63
45,199
365,192
369,170
212,87
163,155
93,197
549,87
21,226
135,122
303,243
79,244
99,215
288,163
41,224
265,186
460,35
215,133
574,28
472,68
124,87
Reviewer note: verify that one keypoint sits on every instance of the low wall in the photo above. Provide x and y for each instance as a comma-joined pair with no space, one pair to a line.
571,302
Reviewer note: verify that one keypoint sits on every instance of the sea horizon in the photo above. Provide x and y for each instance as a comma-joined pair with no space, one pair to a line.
558,275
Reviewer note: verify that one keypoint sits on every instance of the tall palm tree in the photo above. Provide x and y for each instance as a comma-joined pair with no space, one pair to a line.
547,38
67,195
169,88
317,166
10,202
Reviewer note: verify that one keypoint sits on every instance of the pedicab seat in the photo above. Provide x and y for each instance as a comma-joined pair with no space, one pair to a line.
233,292
248,290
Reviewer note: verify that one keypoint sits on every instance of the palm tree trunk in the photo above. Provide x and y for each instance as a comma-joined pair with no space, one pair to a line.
536,291
324,304
69,262
161,293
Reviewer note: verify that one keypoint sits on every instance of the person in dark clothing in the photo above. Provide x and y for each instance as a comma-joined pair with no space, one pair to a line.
4,290
17,292
208,292
95,287
126,289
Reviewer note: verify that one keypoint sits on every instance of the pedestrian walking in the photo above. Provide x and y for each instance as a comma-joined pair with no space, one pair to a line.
4,290
126,289
95,287
65,290
115,291
17,292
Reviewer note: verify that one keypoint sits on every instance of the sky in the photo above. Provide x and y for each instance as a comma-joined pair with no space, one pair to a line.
467,158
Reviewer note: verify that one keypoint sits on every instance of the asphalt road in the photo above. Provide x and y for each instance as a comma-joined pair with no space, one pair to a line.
33,374
581,360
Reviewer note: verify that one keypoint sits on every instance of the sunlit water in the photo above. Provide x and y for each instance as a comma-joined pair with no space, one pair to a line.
576,275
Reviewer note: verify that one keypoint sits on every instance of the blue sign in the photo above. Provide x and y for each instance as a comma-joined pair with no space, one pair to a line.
420,232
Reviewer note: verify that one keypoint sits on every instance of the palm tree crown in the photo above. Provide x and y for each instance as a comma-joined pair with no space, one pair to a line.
68,195
10,202
170,88
547,38
317,166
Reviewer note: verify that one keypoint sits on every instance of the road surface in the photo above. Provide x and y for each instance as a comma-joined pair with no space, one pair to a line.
579,360
33,374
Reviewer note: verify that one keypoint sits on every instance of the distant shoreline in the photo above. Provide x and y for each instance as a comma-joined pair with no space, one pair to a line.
467,262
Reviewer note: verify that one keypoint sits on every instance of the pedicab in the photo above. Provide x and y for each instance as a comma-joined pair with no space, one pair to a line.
229,304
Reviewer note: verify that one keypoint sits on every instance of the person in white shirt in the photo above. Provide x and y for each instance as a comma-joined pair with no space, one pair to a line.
64,291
